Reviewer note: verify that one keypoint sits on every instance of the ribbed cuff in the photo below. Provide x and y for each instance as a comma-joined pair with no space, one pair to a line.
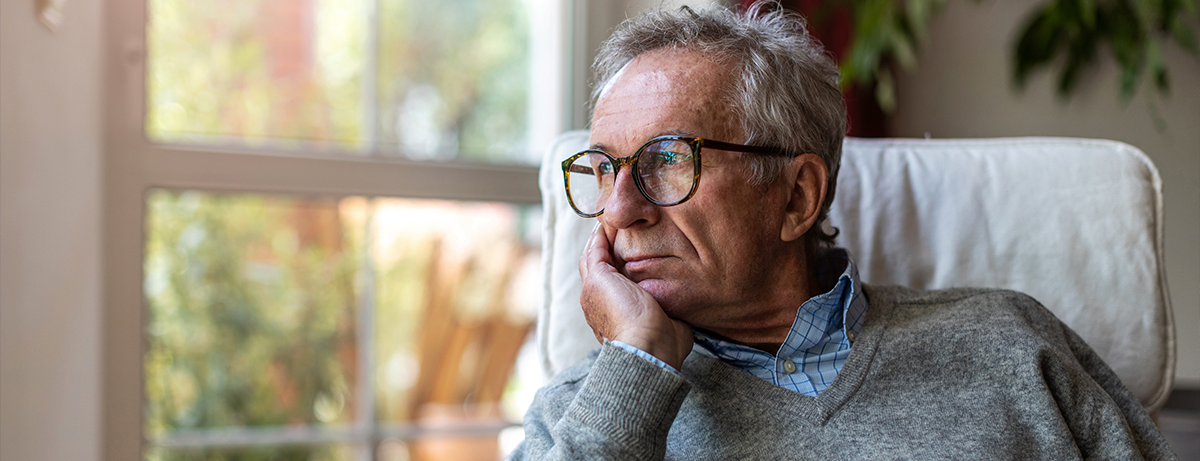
630,399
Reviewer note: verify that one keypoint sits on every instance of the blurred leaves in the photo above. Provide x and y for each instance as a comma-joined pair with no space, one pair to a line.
1077,31
886,32
253,70
454,78
889,33
289,453
447,79
250,304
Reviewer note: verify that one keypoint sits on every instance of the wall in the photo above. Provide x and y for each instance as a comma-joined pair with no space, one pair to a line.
50,295
962,87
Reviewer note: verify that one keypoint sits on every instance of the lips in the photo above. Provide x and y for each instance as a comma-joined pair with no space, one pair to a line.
641,263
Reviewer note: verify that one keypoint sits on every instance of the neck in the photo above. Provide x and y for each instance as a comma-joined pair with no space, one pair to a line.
765,323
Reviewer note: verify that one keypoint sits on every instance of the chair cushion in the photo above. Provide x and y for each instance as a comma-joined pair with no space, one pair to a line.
1075,223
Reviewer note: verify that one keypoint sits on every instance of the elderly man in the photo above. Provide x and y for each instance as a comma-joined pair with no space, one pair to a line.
731,328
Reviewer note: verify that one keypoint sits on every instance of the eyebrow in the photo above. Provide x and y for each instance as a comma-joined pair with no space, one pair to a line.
673,132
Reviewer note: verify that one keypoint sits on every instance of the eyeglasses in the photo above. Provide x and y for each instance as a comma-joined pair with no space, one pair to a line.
667,171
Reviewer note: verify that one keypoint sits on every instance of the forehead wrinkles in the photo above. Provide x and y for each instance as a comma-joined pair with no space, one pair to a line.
682,86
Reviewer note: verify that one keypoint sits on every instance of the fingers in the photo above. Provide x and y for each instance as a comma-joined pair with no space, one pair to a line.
596,270
598,249
595,252
587,249
609,232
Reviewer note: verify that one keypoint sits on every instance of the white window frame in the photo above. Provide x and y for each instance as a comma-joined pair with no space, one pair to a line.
133,165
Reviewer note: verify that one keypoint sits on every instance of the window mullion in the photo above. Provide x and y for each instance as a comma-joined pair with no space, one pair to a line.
176,167
369,140
365,411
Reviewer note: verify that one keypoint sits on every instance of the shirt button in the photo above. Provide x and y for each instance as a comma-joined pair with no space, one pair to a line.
851,336
788,366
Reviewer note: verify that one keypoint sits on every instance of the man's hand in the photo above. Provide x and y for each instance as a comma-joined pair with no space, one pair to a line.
620,310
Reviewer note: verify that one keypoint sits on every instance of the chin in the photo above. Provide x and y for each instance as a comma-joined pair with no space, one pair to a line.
666,293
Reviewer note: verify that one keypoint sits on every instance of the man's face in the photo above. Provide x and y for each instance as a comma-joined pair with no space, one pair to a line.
719,249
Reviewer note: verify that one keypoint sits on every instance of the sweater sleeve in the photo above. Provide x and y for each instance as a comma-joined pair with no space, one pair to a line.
621,410
1108,425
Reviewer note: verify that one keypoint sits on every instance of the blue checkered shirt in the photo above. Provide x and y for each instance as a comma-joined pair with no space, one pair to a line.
817,345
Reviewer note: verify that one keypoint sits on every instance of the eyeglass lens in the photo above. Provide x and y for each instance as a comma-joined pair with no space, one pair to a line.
665,169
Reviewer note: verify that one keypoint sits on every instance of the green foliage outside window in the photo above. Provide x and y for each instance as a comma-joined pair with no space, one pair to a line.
250,312
253,303
448,79
305,453
454,78
250,70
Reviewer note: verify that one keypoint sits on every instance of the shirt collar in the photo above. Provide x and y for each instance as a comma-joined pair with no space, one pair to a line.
835,315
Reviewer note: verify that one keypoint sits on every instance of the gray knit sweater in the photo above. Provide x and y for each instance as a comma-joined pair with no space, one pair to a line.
955,374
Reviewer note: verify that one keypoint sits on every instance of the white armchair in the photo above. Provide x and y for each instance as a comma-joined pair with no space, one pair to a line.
1075,223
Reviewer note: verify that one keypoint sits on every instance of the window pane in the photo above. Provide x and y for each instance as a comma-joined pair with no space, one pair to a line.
454,78
424,80
251,303
457,291
253,316
245,71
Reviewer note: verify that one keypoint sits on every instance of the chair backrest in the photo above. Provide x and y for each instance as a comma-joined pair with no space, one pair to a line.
1075,223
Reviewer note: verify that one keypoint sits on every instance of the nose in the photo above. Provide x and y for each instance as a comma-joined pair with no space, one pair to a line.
626,206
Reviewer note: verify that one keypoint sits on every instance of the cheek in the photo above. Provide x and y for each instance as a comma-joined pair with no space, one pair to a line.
728,236
727,220
740,231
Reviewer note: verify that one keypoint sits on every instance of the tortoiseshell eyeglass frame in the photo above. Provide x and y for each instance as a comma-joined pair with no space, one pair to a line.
697,145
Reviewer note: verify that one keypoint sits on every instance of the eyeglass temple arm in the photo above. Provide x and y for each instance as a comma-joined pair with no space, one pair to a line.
744,148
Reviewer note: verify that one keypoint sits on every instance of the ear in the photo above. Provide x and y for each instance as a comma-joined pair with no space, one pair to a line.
806,179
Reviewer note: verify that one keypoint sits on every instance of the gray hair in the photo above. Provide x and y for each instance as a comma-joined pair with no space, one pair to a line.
787,95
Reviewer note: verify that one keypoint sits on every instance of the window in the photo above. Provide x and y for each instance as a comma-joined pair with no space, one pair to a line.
285,169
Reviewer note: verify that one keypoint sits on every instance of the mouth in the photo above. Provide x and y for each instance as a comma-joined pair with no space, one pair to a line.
637,264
